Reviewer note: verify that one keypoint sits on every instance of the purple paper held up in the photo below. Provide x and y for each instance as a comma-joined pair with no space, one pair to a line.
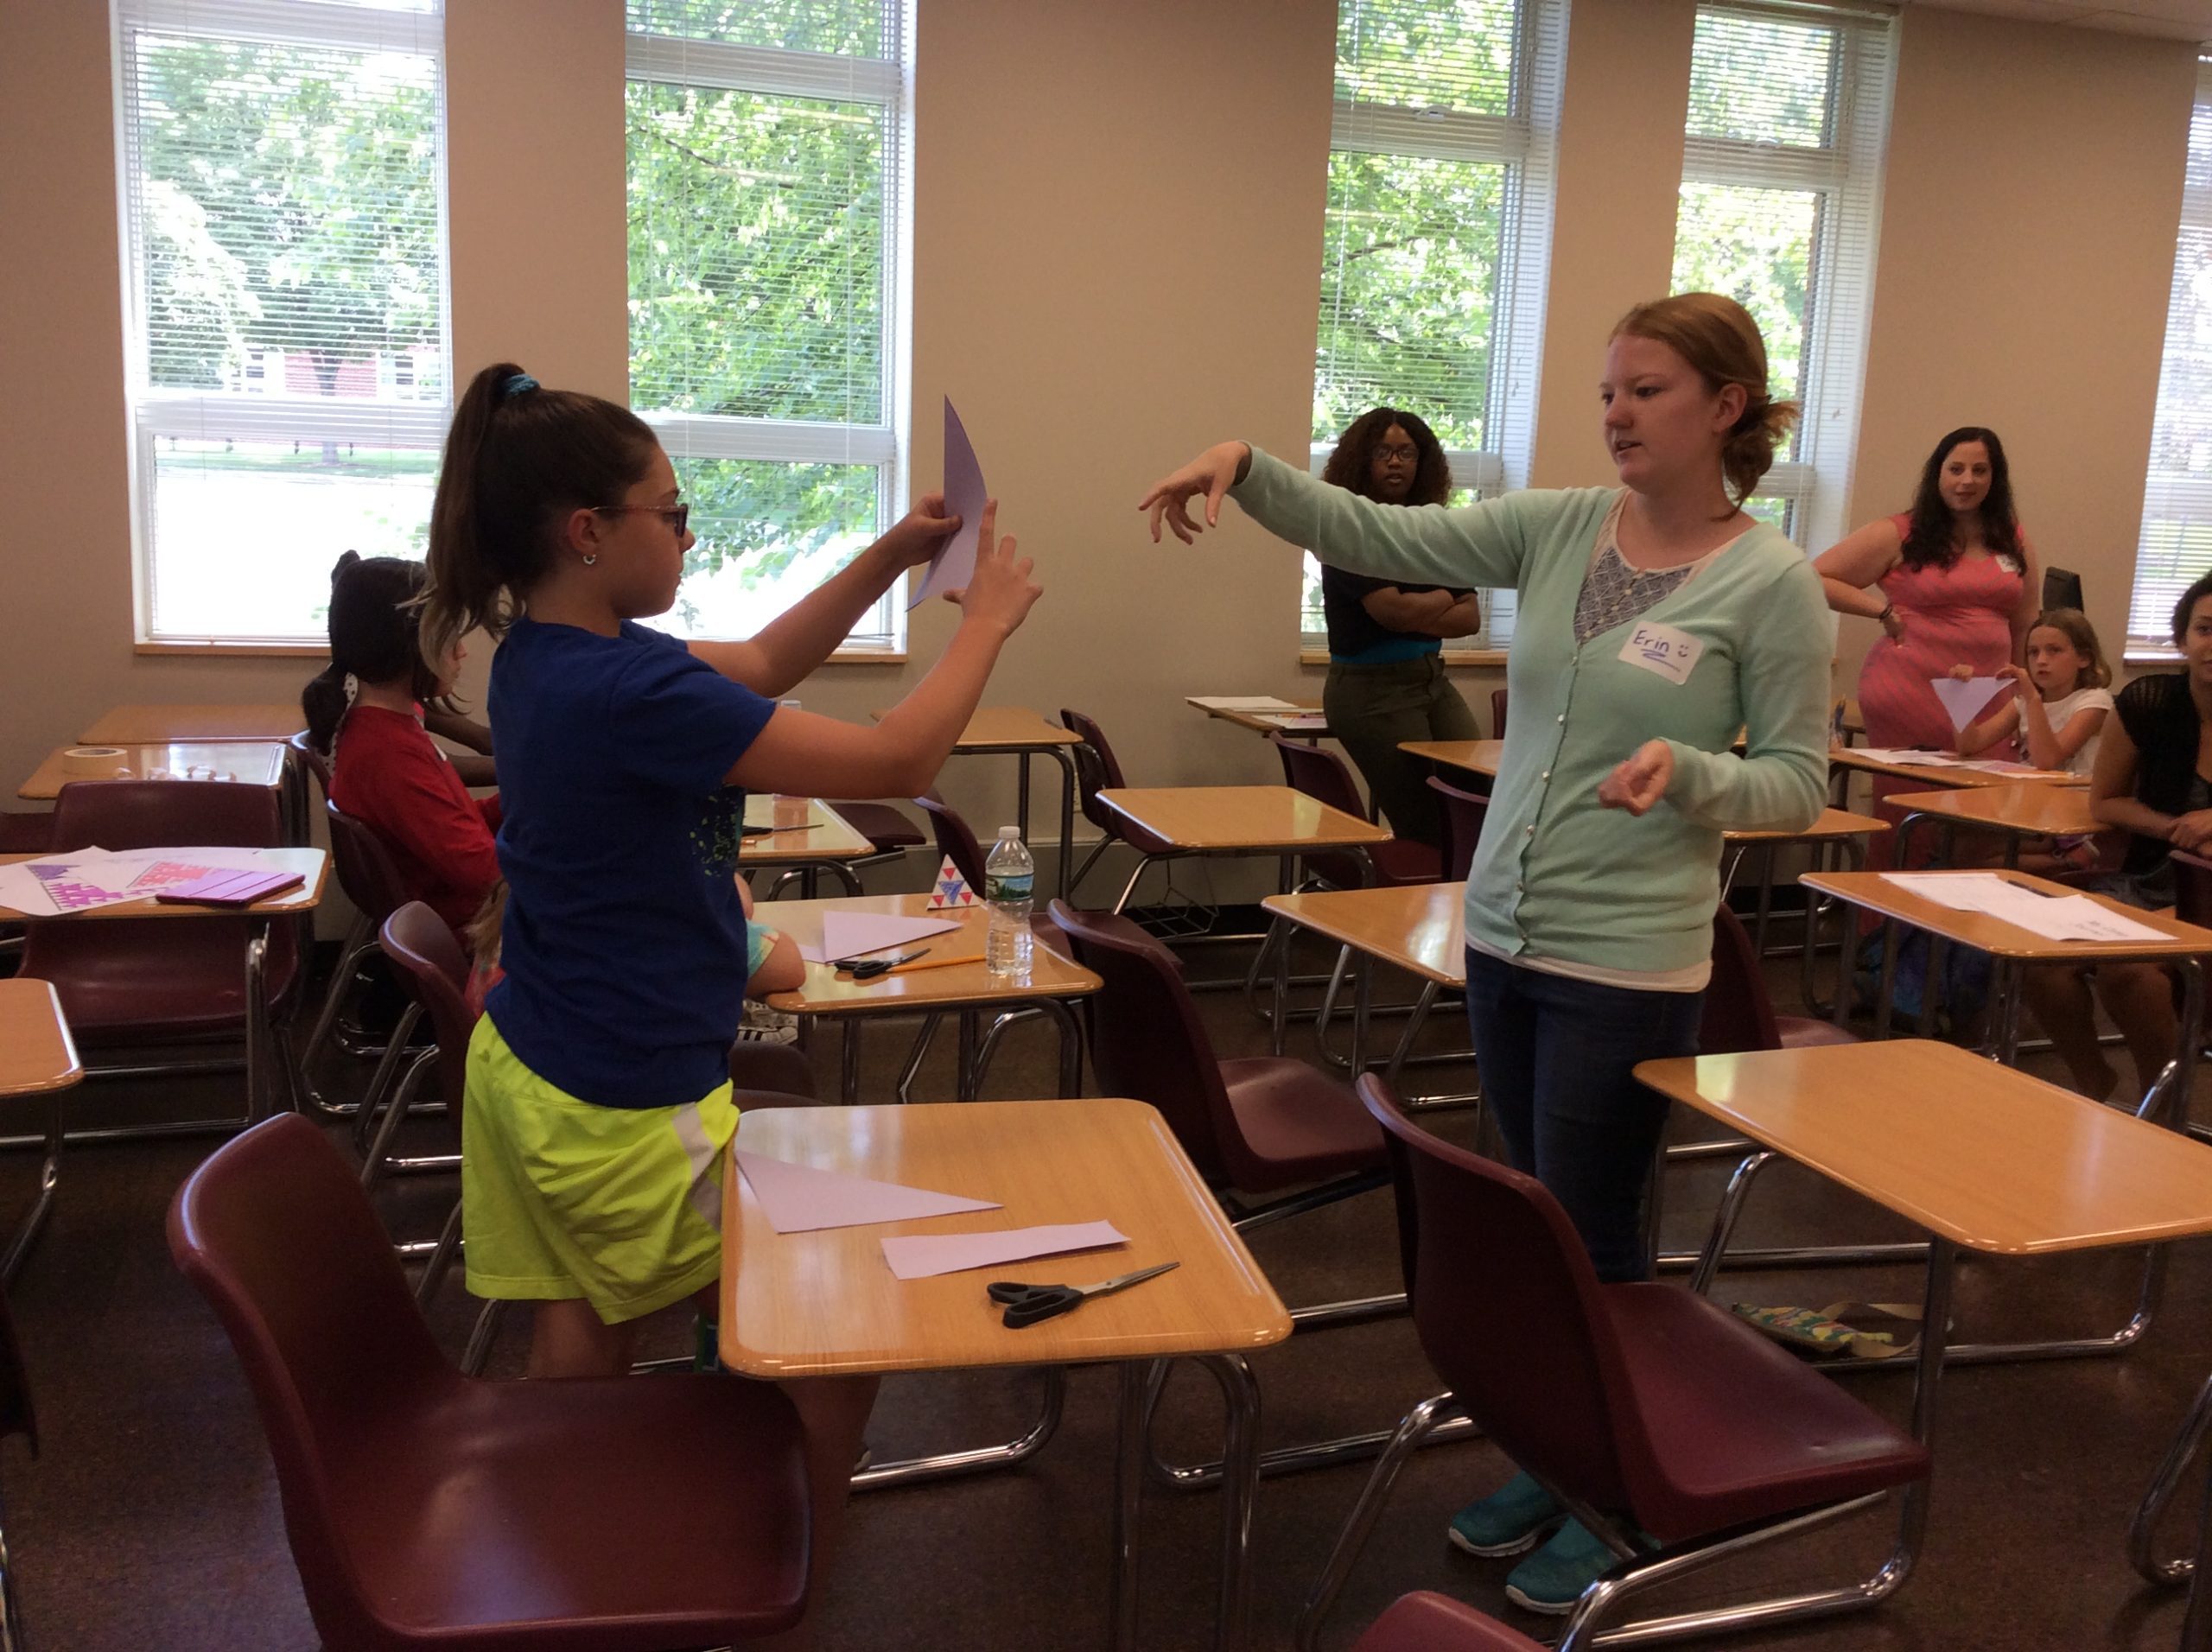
964,497
799,1198
920,1255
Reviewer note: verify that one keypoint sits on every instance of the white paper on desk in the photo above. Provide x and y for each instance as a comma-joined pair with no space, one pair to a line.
1965,701
922,1255
852,935
799,1198
964,497
1242,703
1299,722
1906,759
2055,917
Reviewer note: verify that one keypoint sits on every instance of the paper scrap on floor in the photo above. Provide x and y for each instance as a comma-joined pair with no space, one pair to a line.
1967,700
853,935
800,1198
922,1255
2057,918
1242,703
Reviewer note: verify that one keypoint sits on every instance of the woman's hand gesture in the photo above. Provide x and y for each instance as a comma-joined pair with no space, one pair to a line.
1892,623
916,536
999,592
1640,779
2192,832
1213,473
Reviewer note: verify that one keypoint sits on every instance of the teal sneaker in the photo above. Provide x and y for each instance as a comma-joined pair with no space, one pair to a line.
1553,1578
1511,1519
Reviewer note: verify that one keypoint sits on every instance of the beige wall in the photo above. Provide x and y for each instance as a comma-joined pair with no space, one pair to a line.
2027,254
1118,226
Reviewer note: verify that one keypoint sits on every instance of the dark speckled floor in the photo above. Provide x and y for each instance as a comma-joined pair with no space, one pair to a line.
151,1520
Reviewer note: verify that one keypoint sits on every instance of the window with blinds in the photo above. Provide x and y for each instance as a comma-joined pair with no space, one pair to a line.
2174,546
288,368
767,146
1438,229
1782,175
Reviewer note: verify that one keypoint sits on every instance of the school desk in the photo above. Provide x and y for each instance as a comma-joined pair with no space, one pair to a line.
1018,732
314,866
1259,721
36,1058
1165,822
968,990
1419,928
824,1304
1984,1158
825,842
1845,760
2034,809
2013,950
253,763
1480,757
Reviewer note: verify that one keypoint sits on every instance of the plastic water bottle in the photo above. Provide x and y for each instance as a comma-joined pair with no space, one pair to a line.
1009,880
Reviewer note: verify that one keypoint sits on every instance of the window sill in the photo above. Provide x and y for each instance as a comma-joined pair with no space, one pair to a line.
1491,657
866,657
2150,656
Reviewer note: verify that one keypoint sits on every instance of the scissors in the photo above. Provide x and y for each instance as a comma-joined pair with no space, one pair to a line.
869,968
1026,1305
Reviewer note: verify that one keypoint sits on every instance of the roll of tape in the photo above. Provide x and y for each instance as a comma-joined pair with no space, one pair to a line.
101,761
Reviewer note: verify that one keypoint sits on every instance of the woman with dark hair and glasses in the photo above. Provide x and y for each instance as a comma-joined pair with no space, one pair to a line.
1952,583
1386,681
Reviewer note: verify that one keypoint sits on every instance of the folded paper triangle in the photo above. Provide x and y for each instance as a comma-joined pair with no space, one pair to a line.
799,1199
951,891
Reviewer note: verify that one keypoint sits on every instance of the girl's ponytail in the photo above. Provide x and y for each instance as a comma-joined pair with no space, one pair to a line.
323,700
518,459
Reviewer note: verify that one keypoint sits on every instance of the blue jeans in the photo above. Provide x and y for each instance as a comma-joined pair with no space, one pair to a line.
1557,1058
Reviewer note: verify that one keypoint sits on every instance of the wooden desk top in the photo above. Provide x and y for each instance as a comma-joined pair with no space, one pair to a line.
312,864
36,1053
1832,824
253,763
1257,721
2037,808
1051,975
1982,1154
1239,819
151,725
1876,894
1948,778
1010,729
1419,927
829,836
816,1304
1475,756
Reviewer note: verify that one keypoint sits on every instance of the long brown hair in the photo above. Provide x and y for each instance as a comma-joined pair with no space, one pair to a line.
2074,624
1352,465
1928,539
518,459
1718,337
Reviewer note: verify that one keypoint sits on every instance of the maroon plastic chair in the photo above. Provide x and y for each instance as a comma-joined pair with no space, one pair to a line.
1423,1622
1258,1125
1463,814
889,833
1096,768
956,838
1497,714
1640,1405
128,983
431,969
315,762
430,1510
1739,1012
1327,779
366,871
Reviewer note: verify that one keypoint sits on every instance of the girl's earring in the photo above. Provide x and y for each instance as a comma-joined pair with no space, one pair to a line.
591,559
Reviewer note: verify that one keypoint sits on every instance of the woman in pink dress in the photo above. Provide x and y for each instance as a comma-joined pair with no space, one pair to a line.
1952,582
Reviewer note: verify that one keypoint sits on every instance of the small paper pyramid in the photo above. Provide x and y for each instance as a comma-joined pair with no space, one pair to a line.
950,892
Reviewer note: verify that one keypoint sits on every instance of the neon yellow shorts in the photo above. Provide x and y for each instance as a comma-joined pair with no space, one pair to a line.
561,1199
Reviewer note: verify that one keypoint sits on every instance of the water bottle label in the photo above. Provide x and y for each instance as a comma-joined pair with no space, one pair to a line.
1008,886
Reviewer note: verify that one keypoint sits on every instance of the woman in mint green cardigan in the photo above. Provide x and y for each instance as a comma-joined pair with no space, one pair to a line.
1654,620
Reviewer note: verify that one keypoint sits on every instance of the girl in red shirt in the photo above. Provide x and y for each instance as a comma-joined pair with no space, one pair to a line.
386,771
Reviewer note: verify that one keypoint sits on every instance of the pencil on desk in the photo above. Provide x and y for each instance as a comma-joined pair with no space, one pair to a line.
932,964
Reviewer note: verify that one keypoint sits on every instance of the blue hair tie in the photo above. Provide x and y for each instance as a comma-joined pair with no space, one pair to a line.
516,385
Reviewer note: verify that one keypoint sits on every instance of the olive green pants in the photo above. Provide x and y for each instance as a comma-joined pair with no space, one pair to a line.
1372,708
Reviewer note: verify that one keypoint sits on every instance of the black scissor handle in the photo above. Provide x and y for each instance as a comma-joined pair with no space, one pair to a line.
1026,1305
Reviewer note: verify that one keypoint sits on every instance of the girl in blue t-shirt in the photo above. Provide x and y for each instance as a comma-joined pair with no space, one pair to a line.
598,1105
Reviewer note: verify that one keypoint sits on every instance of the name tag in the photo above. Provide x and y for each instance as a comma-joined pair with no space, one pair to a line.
1663,650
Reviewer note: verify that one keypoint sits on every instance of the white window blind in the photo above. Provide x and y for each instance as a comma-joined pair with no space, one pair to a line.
1438,235
1782,177
284,245
768,193
2174,546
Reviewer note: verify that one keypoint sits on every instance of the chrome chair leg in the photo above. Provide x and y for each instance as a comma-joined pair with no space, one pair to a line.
27,1232
2143,1530
946,1465
1421,1422
482,1337
441,1258
360,940
381,1080
394,1113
